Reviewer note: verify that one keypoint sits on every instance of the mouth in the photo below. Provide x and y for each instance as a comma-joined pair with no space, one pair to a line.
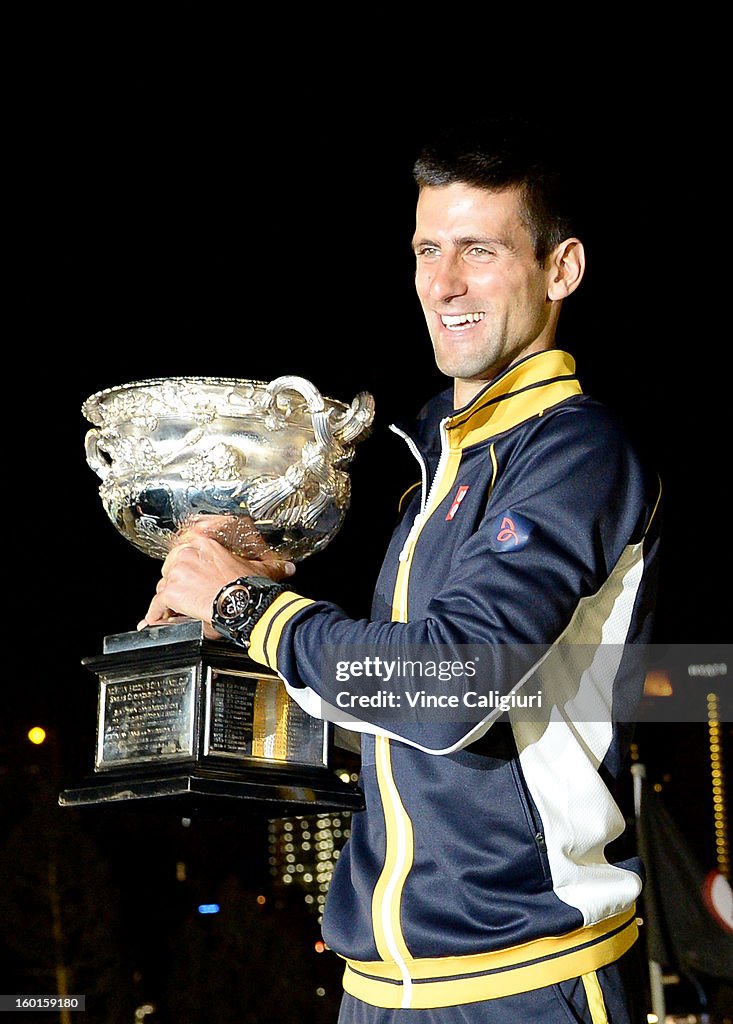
460,321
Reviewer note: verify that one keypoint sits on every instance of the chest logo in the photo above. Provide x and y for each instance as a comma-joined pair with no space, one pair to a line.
509,531
460,495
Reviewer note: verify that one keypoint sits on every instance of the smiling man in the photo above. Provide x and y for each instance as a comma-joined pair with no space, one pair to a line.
478,884
487,296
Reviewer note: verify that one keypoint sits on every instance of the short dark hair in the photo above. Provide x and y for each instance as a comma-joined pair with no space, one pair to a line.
498,155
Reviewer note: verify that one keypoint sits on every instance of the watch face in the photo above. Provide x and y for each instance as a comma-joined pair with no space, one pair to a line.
233,602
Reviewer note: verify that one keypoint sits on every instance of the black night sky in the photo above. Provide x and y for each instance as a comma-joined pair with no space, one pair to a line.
177,214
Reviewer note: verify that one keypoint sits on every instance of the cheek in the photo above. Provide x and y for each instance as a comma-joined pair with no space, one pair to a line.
492,285
529,297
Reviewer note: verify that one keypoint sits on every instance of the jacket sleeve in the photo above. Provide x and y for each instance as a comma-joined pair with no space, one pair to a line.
579,504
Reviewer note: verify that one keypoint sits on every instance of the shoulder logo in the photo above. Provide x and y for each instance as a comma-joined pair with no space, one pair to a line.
509,531
460,495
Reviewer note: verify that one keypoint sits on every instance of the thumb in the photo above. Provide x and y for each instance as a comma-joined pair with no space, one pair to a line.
276,562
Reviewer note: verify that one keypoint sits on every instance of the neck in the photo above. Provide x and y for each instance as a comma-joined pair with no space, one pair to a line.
464,391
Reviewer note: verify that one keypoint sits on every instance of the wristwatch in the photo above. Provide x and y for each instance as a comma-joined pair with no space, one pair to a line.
239,605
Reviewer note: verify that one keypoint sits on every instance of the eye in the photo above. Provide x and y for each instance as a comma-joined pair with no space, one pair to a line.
480,252
427,252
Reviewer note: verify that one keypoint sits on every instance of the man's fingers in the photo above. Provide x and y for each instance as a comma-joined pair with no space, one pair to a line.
156,612
239,534
277,562
174,555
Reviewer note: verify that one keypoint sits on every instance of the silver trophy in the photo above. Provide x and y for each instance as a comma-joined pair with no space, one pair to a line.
180,716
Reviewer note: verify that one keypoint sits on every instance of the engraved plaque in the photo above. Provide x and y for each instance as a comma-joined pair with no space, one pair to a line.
230,714
251,716
146,717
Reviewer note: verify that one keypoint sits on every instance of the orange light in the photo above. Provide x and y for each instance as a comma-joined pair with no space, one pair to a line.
320,947
657,684
37,735
261,900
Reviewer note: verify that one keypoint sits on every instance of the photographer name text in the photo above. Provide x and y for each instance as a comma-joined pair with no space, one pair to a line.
422,699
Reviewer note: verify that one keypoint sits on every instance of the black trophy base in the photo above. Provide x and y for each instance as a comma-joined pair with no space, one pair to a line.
198,726
196,789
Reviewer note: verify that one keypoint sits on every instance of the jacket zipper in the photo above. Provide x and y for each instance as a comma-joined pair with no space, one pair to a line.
426,495
534,824
388,787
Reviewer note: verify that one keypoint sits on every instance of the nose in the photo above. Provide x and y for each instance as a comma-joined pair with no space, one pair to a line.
446,281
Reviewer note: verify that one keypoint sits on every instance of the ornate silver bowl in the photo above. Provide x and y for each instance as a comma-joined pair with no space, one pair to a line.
272,455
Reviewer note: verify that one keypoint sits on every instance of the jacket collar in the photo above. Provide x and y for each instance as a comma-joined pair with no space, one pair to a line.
525,390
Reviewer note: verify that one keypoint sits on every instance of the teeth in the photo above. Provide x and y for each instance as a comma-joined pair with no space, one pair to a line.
461,318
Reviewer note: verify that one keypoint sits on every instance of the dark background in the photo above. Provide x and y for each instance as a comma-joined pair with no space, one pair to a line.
191,197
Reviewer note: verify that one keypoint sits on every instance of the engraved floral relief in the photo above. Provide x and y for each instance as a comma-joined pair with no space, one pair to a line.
221,462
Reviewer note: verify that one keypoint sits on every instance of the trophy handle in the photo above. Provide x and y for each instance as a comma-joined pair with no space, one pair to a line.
289,500
327,427
97,459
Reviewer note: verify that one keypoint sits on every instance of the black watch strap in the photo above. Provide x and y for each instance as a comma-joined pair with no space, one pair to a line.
240,604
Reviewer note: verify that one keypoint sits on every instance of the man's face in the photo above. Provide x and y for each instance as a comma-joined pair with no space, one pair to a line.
482,291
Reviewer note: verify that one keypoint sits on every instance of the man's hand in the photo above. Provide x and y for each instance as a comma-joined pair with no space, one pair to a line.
198,566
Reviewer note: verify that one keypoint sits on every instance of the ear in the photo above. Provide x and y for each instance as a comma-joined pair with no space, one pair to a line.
566,269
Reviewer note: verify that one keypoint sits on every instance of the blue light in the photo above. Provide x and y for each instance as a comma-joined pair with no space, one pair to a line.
209,908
